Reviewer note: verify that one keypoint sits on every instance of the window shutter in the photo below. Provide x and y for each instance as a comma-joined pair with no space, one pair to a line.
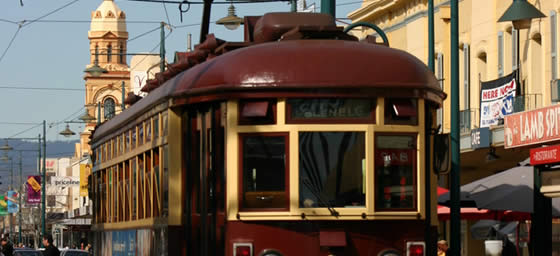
553,47
500,53
440,79
466,75
514,49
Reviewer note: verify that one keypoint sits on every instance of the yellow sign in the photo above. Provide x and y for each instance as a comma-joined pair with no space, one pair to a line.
85,171
34,184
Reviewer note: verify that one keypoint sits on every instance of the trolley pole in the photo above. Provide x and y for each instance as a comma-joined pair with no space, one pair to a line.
162,48
328,7
455,157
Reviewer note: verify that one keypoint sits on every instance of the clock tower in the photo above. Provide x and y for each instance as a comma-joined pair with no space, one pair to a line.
107,37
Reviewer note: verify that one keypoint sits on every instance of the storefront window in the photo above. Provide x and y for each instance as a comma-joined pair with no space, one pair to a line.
265,171
395,172
331,169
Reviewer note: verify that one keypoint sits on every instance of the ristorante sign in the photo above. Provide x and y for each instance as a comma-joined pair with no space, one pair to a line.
532,127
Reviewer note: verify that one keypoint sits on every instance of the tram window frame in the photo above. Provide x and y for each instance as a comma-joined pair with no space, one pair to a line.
410,115
370,119
263,194
380,192
250,111
126,138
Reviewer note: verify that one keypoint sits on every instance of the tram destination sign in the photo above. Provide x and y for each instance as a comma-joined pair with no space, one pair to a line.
330,108
532,127
545,155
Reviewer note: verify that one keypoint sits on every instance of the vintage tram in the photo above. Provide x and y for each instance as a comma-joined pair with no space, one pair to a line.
301,140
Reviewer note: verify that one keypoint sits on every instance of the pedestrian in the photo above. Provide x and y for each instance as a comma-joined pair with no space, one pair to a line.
50,249
7,247
442,248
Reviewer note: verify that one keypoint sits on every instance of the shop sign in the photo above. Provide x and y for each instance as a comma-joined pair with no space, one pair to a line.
65,181
480,138
33,189
532,127
545,155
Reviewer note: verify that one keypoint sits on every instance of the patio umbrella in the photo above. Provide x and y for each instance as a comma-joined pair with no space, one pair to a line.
508,190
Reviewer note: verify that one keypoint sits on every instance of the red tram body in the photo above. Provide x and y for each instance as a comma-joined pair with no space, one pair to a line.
301,140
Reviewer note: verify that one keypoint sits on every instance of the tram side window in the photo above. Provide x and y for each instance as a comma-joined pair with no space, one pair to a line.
140,134
331,169
264,171
401,111
164,123
156,126
395,172
148,130
254,112
133,138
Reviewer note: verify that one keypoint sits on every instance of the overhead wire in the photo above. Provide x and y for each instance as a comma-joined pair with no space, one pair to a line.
54,11
41,88
10,44
166,14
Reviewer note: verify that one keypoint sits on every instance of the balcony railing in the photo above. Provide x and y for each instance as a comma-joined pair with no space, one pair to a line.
526,102
468,119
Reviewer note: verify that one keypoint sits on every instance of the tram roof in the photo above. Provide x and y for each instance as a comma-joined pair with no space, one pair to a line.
284,68
293,66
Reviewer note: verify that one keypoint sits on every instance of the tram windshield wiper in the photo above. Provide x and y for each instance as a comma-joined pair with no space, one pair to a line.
320,197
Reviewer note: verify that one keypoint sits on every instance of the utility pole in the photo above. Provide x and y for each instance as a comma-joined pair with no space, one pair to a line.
455,157
44,182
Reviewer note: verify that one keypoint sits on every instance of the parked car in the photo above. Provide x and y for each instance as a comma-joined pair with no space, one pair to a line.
26,252
73,252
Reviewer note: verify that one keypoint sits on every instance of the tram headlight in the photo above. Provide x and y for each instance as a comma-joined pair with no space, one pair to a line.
242,249
415,249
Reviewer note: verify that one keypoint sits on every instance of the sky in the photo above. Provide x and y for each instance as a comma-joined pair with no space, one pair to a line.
50,51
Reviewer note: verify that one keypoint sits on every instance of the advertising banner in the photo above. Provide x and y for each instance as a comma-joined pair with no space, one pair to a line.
13,202
85,171
3,205
496,99
33,189
532,127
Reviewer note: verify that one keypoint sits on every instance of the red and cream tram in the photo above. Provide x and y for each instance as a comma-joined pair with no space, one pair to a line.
301,140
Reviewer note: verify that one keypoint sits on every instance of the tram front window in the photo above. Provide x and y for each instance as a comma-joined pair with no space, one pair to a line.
331,169
395,166
264,171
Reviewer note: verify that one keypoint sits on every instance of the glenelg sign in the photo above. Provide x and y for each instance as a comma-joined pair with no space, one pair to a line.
532,127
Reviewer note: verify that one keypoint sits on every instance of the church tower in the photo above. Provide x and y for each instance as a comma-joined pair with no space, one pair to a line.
108,37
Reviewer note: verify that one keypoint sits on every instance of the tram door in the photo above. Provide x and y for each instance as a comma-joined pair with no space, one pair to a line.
205,182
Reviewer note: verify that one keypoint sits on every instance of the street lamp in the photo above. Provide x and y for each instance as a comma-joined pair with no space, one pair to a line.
231,21
520,13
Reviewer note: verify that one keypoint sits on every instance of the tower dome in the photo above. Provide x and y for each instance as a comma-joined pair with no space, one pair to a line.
108,17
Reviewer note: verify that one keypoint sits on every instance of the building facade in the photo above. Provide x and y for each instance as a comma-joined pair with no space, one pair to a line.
488,50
